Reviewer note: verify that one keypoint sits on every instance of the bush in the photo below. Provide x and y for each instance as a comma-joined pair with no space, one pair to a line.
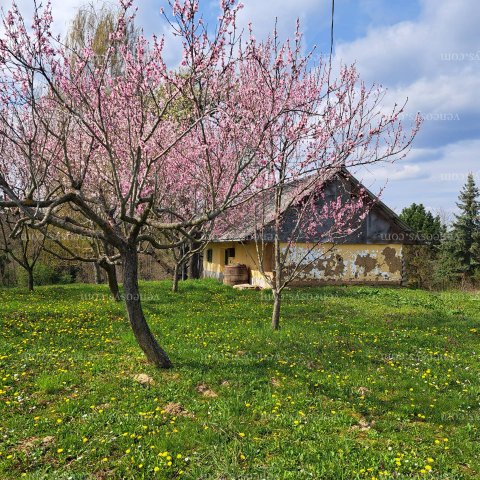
44,274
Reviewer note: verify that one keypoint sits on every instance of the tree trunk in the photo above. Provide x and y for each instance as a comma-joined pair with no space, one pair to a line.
3,266
141,330
277,301
278,274
98,274
30,279
191,268
175,279
111,272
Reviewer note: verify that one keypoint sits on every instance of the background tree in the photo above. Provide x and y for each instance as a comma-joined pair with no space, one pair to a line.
183,256
98,253
5,277
460,256
428,227
421,260
466,228
23,245
91,28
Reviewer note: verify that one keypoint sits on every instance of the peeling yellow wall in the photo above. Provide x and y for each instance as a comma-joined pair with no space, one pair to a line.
351,263
348,263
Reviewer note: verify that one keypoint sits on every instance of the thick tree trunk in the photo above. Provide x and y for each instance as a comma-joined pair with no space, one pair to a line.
98,274
277,301
30,279
111,273
141,330
175,279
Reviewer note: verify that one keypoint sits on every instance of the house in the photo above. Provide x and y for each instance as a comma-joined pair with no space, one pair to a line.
372,254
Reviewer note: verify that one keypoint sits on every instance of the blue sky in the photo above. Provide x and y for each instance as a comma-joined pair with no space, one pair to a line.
426,50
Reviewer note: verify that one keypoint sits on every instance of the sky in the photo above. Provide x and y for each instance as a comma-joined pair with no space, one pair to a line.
426,51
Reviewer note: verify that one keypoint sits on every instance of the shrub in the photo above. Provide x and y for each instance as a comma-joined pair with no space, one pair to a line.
44,274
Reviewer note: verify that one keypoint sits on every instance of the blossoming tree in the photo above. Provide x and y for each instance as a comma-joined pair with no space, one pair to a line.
77,137
320,126
146,155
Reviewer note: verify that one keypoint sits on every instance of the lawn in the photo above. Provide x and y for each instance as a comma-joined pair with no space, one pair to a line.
360,383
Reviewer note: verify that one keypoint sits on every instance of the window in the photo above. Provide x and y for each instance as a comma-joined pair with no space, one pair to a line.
229,253
209,255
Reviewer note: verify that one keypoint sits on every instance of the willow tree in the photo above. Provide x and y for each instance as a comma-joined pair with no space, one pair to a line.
91,28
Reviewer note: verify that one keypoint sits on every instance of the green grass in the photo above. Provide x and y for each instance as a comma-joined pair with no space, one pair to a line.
360,383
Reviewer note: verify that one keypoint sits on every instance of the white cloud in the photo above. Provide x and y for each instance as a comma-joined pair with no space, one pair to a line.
262,15
392,173
434,61
431,176
63,12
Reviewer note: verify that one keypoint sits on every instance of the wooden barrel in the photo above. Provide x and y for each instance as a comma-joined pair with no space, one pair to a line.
235,274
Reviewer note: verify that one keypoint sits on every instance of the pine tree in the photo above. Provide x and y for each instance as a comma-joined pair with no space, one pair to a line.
465,235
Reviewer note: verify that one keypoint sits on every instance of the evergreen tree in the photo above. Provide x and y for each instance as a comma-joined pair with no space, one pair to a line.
428,227
465,238
420,259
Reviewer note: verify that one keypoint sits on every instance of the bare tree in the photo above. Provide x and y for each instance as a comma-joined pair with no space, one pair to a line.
22,244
